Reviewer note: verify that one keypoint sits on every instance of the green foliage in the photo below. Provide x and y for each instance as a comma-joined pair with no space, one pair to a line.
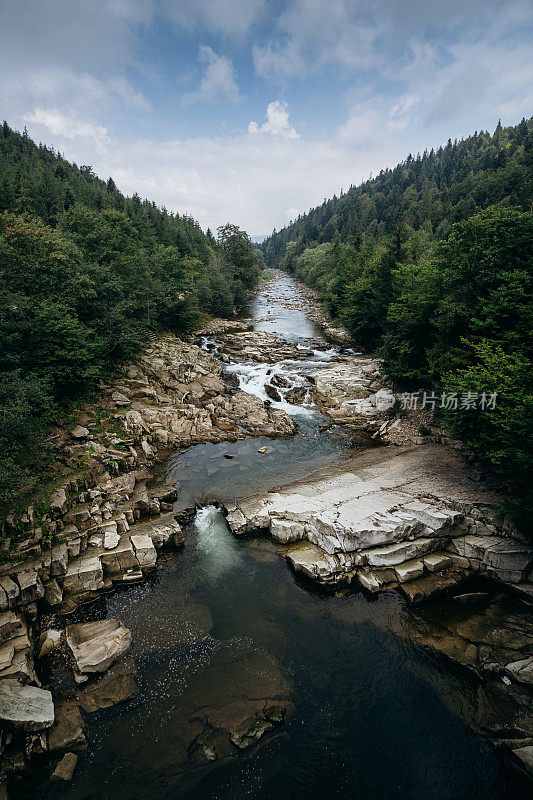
413,267
502,436
85,275
427,193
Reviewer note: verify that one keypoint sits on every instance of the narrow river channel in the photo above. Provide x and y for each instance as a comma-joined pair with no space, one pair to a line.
371,715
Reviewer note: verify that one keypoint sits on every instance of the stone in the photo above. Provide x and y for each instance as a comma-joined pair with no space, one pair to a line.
422,588
68,730
58,560
120,399
48,641
436,562
11,625
79,432
521,671
58,502
31,587
111,538
84,574
145,551
284,532
409,570
368,580
312,561
25,708
9,593
117,685
53,594
121,559
97,645
65,769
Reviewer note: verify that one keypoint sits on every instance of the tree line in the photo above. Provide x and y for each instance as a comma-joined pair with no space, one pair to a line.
430,265
86,274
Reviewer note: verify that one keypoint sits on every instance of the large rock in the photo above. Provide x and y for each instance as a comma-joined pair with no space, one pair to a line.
68,730
25,708
31,587
121,559
97,645
65,769
116,686
9,593
390,517
521,671
84,574
145,551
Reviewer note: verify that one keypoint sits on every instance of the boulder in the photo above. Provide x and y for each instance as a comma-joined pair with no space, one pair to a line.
25,708
121,559
97,645
521,671
283,531
120,399
116,686
68,730
31,587
145,551
53,594
48,641
409,570
59,560
79,432
65,769
84,574
524,756
58,502
9,593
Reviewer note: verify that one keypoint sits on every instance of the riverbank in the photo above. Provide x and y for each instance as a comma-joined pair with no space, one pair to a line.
222,401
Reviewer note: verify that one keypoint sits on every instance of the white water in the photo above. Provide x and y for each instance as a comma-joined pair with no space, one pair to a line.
252,379
219,550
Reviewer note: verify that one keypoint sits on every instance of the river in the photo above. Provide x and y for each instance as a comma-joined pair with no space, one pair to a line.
371,717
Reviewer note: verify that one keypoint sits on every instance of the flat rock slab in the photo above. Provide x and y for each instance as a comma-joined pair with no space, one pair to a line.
116,686
26,708
97,645
68,730
65,768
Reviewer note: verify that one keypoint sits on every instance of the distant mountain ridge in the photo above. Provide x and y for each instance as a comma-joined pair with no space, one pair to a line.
434,190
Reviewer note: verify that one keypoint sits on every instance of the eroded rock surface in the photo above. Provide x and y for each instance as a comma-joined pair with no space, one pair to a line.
97,645
26,708
402,516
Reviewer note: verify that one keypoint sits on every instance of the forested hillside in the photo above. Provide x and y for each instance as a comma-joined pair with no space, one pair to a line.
431,264
85,275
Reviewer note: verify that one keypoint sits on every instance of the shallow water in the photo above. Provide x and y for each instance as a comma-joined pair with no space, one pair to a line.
373,717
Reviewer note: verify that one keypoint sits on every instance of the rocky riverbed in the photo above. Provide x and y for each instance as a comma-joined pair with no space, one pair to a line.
406,519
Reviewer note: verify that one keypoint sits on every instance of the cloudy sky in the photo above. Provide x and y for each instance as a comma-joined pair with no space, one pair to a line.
251,111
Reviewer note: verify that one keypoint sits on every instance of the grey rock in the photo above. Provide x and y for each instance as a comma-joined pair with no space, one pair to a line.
120,399
65,769
521,671
79,432
116,686
68,730
26,708
97,645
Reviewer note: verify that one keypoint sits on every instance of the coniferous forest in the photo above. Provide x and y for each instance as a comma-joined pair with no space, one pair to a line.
430,264
86,274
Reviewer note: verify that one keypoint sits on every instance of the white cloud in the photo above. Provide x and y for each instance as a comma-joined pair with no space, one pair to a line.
60,125
229,17
277,122
219,80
